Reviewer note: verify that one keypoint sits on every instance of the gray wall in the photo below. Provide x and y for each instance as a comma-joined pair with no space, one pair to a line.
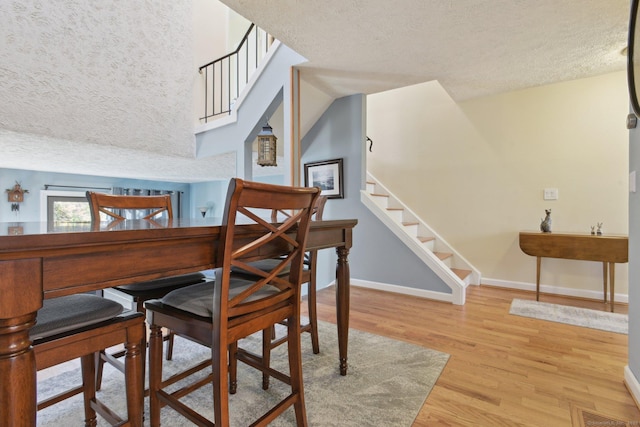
377,254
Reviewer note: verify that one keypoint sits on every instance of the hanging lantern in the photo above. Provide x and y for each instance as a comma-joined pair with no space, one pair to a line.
267,147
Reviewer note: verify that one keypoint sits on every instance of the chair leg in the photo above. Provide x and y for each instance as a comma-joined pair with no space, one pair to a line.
267,336
88,366
220,367
313,315
155,373
99,369
169,338
134,361
233,368
295,367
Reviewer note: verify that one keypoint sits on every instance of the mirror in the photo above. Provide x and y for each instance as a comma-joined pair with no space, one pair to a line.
633,69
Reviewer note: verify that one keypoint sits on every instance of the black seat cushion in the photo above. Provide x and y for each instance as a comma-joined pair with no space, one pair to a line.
159,287
198,299
63,314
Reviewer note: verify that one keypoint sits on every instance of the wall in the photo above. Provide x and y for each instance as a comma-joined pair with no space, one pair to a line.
377,255
35,181
475,171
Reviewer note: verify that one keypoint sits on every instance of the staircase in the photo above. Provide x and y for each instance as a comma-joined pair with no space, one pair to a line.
455,271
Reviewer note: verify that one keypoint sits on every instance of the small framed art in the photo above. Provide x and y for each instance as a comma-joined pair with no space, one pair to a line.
327,175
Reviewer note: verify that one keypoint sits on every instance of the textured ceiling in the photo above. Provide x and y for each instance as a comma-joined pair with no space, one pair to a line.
473,48
105,88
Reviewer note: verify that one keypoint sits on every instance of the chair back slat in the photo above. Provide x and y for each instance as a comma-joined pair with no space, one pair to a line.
151,207
263,239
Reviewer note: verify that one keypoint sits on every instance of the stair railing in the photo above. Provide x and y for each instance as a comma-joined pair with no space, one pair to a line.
226,77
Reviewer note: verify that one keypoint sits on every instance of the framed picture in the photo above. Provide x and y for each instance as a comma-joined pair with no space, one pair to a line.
327,175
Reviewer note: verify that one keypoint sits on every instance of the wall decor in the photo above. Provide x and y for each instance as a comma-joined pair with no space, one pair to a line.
327,175
15,195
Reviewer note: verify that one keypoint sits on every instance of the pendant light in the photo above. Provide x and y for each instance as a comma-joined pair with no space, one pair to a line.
267,147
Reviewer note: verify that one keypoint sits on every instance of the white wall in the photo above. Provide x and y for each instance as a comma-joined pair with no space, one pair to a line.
475,171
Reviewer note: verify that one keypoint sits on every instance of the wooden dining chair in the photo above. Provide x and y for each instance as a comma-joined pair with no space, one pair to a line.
148,208
78,326
218,314
308,277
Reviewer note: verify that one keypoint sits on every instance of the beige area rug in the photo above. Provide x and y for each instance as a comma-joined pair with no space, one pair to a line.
386,385
595,319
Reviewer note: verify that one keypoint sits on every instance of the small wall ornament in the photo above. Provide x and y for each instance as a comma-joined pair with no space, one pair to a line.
545,225
15,195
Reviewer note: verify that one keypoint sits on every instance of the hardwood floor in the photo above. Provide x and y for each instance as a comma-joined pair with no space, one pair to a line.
504,370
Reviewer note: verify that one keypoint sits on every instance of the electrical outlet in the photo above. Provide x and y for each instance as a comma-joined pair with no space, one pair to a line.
550,194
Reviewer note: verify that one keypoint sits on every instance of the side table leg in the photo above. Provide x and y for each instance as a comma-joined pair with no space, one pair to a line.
538,263
612,277
604,280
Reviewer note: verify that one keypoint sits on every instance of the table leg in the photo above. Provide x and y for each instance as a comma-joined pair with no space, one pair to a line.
612,277
342,305
21,290
538,263
604,280
17,372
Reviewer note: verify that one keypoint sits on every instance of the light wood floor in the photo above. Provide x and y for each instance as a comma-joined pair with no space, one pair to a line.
504,370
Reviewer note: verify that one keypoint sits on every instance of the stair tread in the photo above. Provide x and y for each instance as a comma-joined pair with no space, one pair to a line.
425,239
379,195
461,273
395,209
407,224
443,255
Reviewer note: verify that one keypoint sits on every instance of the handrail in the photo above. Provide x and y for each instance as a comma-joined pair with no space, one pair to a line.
244,39
223,79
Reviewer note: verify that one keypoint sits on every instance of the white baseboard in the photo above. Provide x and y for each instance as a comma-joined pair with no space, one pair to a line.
556,290
524,286
422,293
632,384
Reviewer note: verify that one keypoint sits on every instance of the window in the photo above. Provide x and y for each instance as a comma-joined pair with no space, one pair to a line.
64,207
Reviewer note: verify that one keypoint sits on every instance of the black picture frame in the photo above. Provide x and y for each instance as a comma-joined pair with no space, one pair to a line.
633,69
327,175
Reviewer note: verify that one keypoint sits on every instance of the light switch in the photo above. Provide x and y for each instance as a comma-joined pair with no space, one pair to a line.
550,194
632,182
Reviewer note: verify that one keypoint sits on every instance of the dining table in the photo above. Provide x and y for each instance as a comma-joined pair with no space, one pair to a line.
40,260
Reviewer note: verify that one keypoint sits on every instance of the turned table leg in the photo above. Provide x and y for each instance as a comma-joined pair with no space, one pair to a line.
342,305
21,290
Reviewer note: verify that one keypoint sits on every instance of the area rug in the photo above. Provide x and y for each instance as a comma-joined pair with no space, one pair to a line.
611,322
386,384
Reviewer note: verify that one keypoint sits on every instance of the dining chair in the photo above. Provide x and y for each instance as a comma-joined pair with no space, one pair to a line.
218,314
117,208
308,276
78,326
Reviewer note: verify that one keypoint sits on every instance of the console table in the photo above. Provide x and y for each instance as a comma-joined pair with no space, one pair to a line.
609,250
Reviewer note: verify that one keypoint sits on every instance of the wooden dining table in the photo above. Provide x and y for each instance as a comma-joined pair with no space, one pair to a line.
44,260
